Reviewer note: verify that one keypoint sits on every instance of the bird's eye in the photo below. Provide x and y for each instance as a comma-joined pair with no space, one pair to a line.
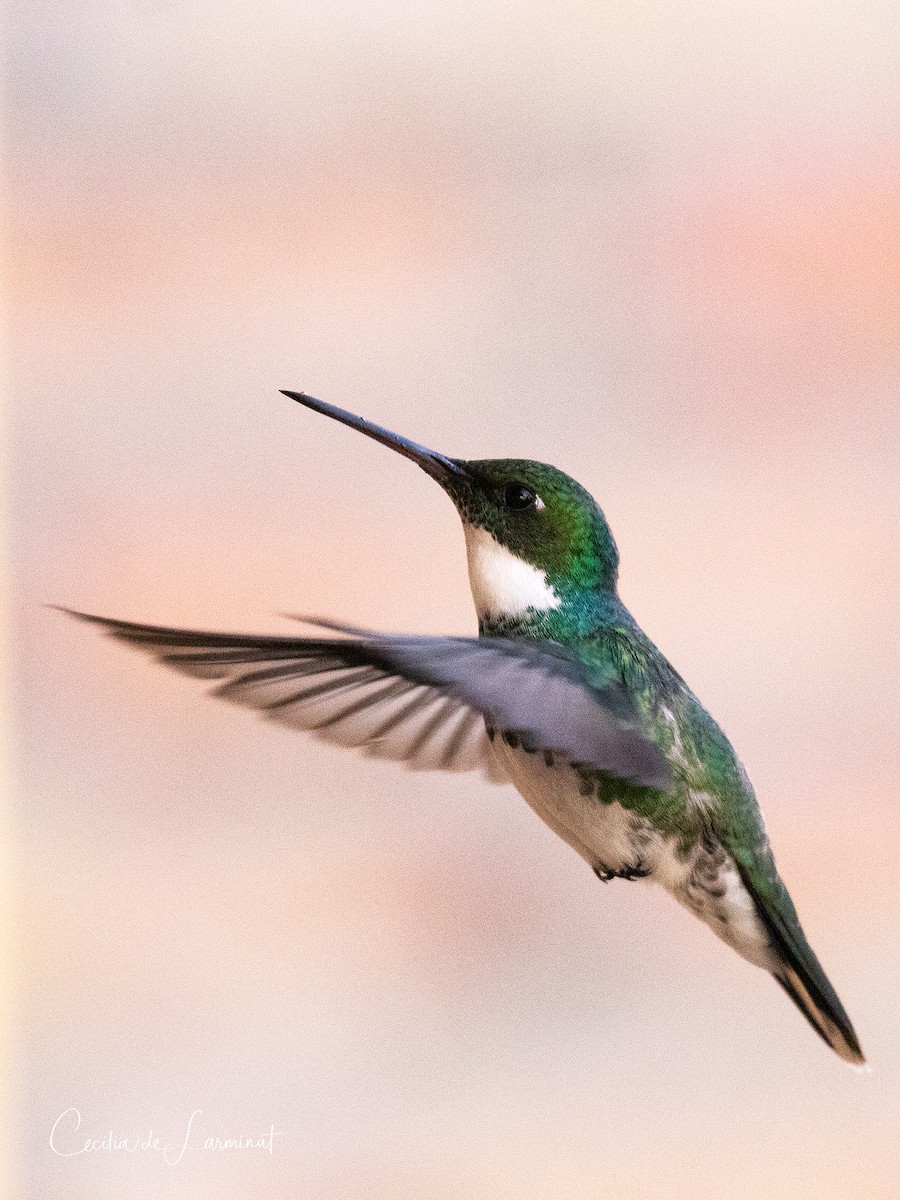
519,497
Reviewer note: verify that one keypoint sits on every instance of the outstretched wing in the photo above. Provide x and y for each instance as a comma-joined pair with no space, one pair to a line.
427,700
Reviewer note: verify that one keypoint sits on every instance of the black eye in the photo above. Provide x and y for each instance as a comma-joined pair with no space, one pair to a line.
518,497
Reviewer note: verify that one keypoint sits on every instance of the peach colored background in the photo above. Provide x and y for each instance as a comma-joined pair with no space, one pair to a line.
655,244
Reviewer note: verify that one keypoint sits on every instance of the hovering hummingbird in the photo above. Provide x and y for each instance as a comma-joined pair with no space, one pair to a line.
561,694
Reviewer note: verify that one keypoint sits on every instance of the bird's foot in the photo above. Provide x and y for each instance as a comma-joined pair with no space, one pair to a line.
638,870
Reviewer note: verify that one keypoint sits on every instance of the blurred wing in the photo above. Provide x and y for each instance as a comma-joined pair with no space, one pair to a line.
426,700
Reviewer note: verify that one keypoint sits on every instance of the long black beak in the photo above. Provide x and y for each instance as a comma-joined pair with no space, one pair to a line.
438,466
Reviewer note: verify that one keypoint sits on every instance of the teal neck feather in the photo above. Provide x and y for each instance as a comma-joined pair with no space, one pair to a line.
582,613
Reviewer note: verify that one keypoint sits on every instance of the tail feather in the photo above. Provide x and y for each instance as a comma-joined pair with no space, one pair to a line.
797,969
832,1026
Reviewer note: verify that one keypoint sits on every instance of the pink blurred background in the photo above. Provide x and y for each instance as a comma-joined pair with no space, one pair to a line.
654,244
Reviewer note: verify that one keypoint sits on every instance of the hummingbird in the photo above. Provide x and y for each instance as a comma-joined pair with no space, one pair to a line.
561,694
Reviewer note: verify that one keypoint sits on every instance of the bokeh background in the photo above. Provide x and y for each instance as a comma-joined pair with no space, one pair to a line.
655,244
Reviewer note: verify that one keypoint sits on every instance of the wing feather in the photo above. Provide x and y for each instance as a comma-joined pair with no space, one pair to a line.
425,700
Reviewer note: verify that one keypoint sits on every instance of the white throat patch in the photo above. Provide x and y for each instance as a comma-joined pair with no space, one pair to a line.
502,584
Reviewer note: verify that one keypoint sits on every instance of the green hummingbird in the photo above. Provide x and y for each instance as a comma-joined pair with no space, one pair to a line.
561,694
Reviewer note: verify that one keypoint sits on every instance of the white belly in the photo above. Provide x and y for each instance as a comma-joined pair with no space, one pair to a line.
612,838
607,836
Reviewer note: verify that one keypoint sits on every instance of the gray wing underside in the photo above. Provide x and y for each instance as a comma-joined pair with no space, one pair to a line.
428,701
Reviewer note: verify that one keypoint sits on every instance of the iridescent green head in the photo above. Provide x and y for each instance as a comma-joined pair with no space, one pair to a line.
540,515
536,540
